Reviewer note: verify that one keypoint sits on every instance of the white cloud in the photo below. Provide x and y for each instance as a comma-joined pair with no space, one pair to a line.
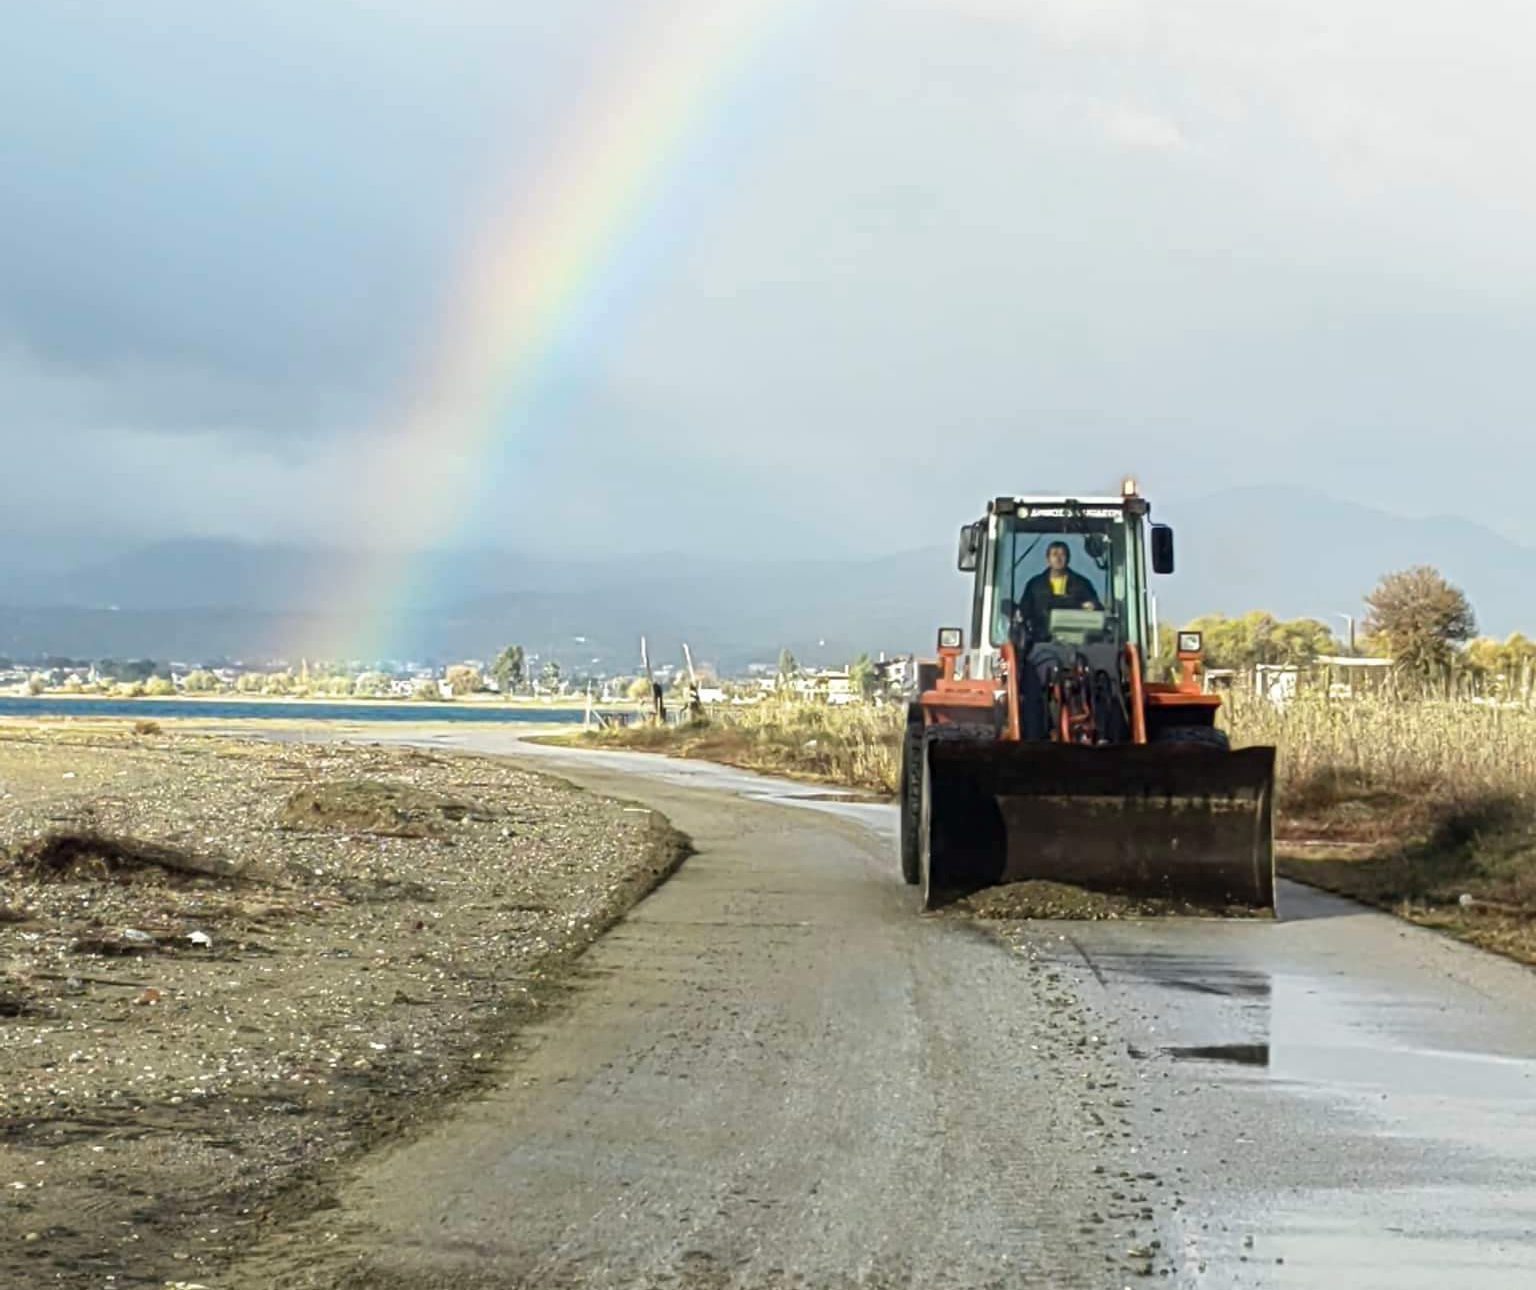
1141,130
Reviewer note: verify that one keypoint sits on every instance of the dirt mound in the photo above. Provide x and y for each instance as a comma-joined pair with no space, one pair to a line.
85,855
378,808
1039,899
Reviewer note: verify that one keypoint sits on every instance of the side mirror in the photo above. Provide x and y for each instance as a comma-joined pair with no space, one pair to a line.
1162,549
970,548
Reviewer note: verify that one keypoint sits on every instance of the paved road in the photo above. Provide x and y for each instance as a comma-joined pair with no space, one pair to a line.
775,1074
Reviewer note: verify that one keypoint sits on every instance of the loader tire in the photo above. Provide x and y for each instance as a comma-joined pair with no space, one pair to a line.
1194,737
961,836
911,799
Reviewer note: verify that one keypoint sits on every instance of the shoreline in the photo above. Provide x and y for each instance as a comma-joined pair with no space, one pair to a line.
575,703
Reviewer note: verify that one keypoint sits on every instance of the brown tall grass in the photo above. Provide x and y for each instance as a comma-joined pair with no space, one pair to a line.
1330,750
1446,747
857,745
1421,806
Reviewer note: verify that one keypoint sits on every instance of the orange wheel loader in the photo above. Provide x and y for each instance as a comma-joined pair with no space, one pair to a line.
1044,751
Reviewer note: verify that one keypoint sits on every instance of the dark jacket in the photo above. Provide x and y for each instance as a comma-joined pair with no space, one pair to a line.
1039,600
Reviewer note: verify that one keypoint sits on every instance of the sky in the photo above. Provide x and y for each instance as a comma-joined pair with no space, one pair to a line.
262,267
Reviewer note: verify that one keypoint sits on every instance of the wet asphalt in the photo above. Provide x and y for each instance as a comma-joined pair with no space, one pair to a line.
775,1073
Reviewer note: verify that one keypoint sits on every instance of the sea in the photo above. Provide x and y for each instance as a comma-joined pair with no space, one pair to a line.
277,710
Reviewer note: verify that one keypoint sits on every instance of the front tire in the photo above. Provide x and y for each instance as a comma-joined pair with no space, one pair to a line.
1194,737
932,897
911,799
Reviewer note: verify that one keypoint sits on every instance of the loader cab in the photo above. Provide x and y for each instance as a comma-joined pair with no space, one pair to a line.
1109,545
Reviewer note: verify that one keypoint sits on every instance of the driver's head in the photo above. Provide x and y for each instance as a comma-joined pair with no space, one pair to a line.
1056,557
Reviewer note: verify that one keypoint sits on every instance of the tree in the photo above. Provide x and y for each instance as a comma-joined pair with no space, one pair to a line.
1257,638
788,668
371,685
1419,620
200,682
36,683
639,690
863,677
1505,667
463,679
550,675
1300,641
510,669
428,691
159,687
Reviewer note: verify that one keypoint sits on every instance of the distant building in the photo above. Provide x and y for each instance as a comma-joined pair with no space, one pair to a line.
897,674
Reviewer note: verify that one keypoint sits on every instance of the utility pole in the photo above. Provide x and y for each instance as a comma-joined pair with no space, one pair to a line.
695,705
658,702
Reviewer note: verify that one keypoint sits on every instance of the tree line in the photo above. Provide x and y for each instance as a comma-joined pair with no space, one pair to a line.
1415,617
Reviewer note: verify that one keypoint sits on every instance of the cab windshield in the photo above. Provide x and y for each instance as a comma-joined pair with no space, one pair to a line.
1060,574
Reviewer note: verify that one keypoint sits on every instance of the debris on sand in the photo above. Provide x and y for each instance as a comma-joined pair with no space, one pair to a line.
73,854
16,999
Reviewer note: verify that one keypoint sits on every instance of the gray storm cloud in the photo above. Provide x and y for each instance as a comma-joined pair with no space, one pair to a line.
1217,243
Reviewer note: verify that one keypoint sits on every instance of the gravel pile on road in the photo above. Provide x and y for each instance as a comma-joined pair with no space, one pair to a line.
1041,899
225,965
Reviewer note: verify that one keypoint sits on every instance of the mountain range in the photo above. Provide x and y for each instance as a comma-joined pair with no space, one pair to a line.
1294,552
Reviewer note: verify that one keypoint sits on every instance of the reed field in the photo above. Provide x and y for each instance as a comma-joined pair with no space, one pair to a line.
1329,749
1450,748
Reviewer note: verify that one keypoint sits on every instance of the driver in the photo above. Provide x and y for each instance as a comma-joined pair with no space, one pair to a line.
1058,587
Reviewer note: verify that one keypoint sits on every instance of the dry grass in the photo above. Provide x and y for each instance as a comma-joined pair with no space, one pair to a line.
1421,807
859,747
1396,746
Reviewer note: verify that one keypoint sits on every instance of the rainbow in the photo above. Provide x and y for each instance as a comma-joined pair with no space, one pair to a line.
536,272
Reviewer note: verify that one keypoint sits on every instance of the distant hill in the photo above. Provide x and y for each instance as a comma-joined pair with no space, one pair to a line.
1291,551
1296,552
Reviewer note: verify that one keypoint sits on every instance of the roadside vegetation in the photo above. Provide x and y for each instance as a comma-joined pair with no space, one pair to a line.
1420,805
1423,806
858,745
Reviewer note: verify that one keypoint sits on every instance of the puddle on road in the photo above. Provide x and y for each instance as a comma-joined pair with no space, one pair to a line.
1188,973
1306,1031
1231,985
1234,1054
1393,1238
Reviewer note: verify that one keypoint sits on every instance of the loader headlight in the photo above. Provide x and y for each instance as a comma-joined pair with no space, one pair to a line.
1190,642
951,638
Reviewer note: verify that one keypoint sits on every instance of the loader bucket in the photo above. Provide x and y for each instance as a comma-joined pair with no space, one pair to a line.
1192,824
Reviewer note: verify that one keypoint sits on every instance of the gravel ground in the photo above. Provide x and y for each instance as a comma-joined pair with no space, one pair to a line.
227,966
